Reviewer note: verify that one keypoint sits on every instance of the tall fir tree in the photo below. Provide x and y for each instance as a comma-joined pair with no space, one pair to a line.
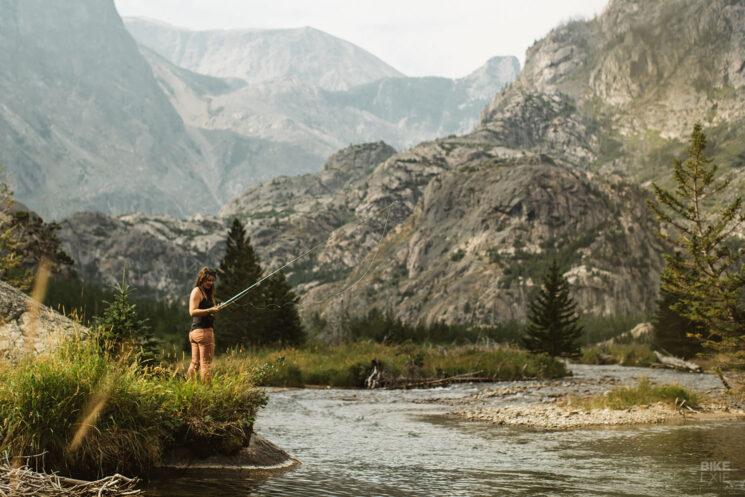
706,272
239,324
553,326
281,319
265,315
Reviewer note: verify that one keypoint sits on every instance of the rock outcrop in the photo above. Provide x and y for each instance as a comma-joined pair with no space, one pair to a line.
27,326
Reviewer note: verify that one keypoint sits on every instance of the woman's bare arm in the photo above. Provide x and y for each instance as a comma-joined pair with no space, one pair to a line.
194,299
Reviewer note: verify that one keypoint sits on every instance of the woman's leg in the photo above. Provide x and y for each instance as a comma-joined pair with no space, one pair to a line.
195,354
207,350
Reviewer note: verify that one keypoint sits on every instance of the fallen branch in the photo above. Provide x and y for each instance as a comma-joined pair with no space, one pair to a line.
676,363
406,383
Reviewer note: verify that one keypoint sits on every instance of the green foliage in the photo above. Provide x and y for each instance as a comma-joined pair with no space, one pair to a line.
553,326
121,323
706,275
93,413
673,332
600,328
168,321
644,393
267,313
623,354
383,327
25,240
239,324
349,364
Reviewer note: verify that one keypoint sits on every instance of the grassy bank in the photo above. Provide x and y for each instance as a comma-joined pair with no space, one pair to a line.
348,365
643,394
92,412
623,354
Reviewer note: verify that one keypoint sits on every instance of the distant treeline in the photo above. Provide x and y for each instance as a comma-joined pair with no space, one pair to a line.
383,327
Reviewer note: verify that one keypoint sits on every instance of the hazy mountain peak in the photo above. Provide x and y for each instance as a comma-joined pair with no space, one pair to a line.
257,55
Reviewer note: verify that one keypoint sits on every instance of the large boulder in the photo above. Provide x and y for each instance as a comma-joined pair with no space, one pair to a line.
27,326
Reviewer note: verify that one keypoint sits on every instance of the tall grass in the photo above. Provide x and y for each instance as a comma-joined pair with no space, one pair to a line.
90,413
348,365
644,393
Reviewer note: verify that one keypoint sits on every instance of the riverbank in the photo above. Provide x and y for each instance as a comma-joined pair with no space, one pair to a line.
577,401
367,364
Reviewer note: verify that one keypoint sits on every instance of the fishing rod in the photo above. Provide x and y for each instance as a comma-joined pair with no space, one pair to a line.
247,289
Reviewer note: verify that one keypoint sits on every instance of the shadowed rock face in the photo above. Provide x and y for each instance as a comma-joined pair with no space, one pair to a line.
26,326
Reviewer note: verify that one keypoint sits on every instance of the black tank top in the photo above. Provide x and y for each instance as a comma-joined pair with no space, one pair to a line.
203,322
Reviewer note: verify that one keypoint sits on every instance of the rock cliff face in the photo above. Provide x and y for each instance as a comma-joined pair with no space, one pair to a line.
83,123
461,229
26,326
622,92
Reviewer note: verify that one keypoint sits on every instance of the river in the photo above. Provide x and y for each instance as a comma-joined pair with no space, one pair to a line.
399,443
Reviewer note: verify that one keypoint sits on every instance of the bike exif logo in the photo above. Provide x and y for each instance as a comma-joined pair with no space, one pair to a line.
714,471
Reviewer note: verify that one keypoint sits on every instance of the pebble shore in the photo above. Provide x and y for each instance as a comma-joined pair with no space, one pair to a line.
553,417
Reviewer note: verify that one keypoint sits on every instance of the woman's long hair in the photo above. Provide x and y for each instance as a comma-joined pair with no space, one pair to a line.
205,273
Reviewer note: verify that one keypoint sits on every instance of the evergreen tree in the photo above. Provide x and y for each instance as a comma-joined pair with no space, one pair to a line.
281,321
240,323
674,333
553,326
266,314
706,273
121,323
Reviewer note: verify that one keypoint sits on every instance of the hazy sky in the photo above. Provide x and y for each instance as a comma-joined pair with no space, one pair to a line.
418,37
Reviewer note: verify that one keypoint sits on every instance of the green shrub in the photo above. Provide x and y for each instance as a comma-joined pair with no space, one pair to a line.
91,413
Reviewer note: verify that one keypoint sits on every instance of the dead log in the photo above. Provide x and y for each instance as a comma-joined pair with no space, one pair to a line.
677,363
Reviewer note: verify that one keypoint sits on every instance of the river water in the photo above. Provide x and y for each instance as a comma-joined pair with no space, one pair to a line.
399,443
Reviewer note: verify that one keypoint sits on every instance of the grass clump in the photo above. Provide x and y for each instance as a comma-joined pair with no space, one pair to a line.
91,413
644,393
348,365
638,355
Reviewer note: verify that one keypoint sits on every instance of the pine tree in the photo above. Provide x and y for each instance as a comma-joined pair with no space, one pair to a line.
281,322
553,326
239,324
674,333
706,273
122,325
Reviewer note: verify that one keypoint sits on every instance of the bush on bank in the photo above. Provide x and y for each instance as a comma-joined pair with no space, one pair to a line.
348,365
92,412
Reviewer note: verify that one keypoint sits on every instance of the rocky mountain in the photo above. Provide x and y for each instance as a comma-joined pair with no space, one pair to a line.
90,120
289,106
83,123
621,92
261,55
460,229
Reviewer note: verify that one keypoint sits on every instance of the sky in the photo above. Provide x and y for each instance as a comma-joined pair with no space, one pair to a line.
448,38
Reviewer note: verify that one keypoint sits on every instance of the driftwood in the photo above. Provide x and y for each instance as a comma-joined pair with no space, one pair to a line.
676,363
22,481
406,383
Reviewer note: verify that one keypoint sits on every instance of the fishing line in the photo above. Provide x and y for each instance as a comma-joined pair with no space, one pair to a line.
243,292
